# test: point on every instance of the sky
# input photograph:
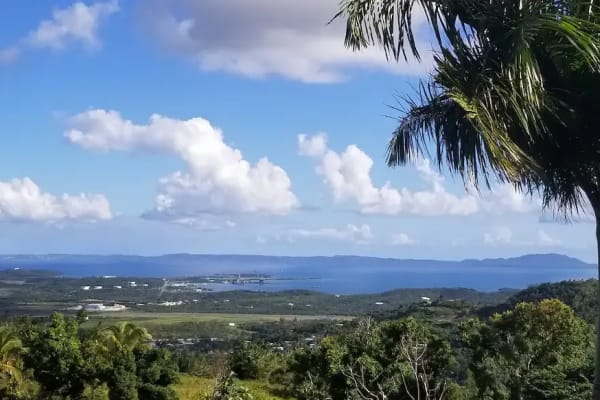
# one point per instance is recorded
(153, 127)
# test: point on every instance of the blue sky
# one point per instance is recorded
(142, 127)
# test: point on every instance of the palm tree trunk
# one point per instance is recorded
(593, 194)
(596, 390)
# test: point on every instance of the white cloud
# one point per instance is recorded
(348, 175)
(402, 239)
(545, 240)
(206, 223)
(23, 200)
(501, 235)
(351, 233)
(76, 23)
(506, 198)
(257, 38)
(218, 180)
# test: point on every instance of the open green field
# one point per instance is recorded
(194, 325)
(153, 318)
(195, 388)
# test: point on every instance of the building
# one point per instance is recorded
(99, 307)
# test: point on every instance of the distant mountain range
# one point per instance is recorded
(172, 265)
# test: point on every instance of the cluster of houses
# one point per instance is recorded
(100, 287)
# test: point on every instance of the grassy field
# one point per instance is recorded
(187, 325)
(194, 388)
(151, 318)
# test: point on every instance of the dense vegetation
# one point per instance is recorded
(534, 347)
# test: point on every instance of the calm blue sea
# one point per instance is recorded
(335, 275)
(370, 281)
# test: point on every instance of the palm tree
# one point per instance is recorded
(11, 350)
(513, 95)
(125, 335)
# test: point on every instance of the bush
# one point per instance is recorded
(148, 391)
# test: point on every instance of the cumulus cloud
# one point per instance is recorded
(23, 200)
(402, 239)
(351, 233)
(218, 180)
(501, 235)
(288, 38)
(77, 23)
(506, 198)
(348, 176)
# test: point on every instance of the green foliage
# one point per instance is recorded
(56, 358)
(114, 363)
(253, 361)
(226, 388)
(148, 391)
(96, 392)
(536, 351)
(388, 360)
(156, 367)
(244, 360)
(581, 296)
(11, 364)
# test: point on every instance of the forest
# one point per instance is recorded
(538, 344)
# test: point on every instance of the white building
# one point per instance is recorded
(93, 307)
(85, 288)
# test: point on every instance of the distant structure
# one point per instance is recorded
(98, 307)
(170, 303)
(85, 288)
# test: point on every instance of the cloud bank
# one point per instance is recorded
(78, 23)
(348, 176)
(218, 180)
(22, 200)
(286, 38)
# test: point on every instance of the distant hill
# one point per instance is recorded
(190, 264)
(580, 295)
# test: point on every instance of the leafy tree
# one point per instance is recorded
(156, 371)
(11, 365)
(244, 360)
(226, 388)
(253, 361)
(513, 94)
(394, 360)
(125, 335)
(55, 356)
(121, 376)
(536, 351)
